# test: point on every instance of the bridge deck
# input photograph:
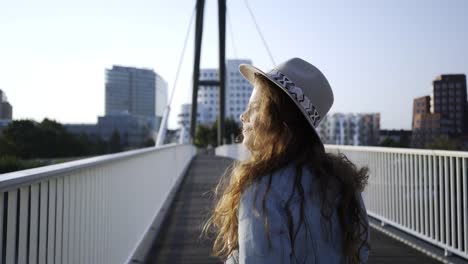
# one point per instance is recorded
(180, 242)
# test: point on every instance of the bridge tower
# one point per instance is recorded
(222, 67)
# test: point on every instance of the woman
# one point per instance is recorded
(290, 202)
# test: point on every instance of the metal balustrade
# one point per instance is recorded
(94, 210)
(421, 192)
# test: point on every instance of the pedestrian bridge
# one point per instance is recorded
(148, 206)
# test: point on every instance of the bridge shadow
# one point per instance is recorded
(179, 240)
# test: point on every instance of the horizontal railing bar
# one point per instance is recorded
(460, 154)
(26, 177)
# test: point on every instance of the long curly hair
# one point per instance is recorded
(283, 136)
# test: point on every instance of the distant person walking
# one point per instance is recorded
(290, 202)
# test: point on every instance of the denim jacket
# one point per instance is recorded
(310, 245)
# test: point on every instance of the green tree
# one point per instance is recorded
(114, 143)
(58, 142)
(24, 138)
(7, 148)
(148, 143)
(231, 131)
(388, 142)
(443, 143)
(203, 136)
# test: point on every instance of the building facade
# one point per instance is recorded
(135, 100)
(449, 97)
(6, 110)
(443, 114)
(136, 92)
(350, 129)
(238, 91)
(133, 130)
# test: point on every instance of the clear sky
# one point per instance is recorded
(377, 55)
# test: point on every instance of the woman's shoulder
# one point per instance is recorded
(280, 183)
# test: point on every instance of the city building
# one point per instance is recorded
(134, 131)
(137, 92)
(350, 129)
(135, 100)
(238, 91)
(6, 110)
(443, 114)
(449, 98)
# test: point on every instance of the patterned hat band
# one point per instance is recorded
(297, 94)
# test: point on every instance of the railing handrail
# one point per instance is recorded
(451, 153)
(94, 210)
(28, 176)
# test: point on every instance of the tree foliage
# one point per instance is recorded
(27, 139)
(208, 135)
(444, 143)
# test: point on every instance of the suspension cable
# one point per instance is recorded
(163, 125)
(260, 32)
(182, 55)
(232, 33)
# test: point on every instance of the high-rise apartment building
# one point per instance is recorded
(238, 91)
(135, 101)
(449, 99)
(136, 92)
(6, 110)
(443, 114)
(425, 125)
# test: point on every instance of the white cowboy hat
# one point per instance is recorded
(303, 83)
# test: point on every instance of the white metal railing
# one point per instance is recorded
(94, 210)
(421, 192)
(234, 151)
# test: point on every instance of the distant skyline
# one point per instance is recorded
(378, 56)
